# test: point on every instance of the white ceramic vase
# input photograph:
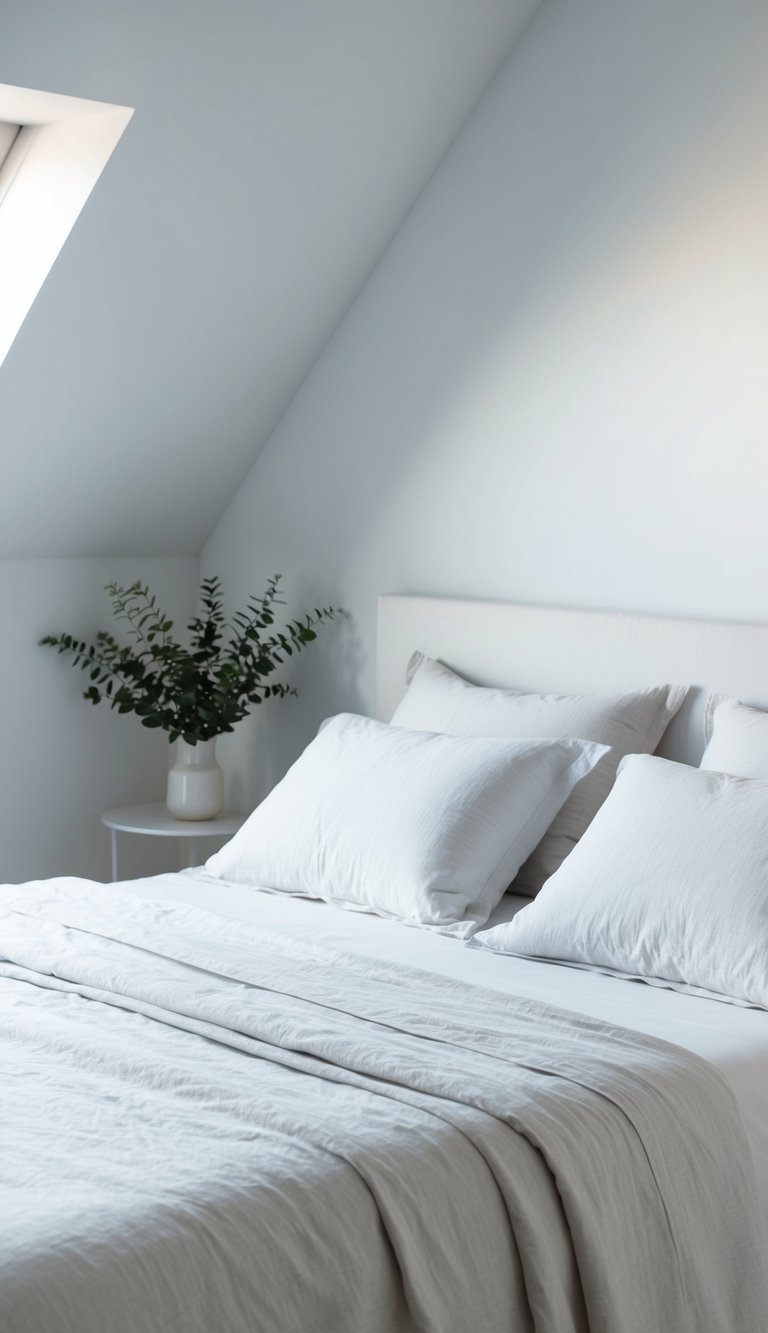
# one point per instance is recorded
(195, 782)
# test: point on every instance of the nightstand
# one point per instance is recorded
(153, 821)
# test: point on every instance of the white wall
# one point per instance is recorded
(65, 761)
(553, 387)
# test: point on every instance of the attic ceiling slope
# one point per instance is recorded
(273, 153)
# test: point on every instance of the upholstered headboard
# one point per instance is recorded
(544, 649)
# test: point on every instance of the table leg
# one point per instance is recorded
(187, 852)
(114, 856)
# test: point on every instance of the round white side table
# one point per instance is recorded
(153, 821)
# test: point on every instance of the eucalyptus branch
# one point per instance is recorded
(259, 614)
(200, 690)
(137, 605)
(85, 655)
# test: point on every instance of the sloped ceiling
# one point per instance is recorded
(276, 147)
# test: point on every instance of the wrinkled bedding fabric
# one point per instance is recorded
(210, 1127)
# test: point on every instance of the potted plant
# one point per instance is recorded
(193, 691)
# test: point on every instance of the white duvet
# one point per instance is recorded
(210, 1127)
(735, 1040)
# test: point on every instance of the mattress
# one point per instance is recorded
(733, 1039)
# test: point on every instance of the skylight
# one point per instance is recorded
(52, 151)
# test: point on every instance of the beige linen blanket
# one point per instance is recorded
(208, 1128)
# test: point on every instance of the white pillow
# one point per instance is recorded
(670, 883)
(737, 738)
(439, 700)
(408, 824)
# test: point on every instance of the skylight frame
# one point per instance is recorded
(55, 160)
(8, 135)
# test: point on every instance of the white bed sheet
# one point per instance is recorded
(733, 1039)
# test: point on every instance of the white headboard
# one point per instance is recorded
(543, 649)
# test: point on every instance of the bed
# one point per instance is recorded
(227, 1109)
